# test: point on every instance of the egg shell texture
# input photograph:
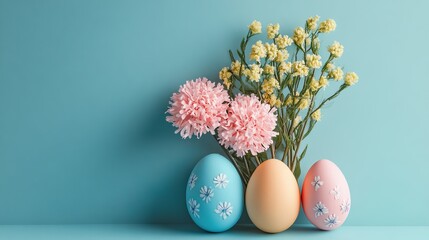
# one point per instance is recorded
(325, 195)
(214, 194)
(272, 197)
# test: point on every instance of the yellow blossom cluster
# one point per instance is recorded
(330, 66)
(269, 85)
(299, 36)
(323, 81)
(268, 69)
(285, 67)
(314, 85)
(273, 30)
(312, 22)
(287, 72)
(272, 100)
(235, 67)
(225, 76)
(328, 25)
(283, 41)
(351, 78)
(336, 49)
(313, 61)
(255, 27)
(282, 55)
(336, 74)
(271, 50)
(316, 44)
(258, 51)
(299, 69)
(253, 73)
(317, 115)
(302, 102)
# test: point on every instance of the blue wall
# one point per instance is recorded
(84, 86)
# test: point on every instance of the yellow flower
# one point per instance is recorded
(255, 27)
(282, 55)
(316, 44)
(314, 85)
(299, 36)
(272, 30)
(271, 51)
(330, 66)
(351, 78)
(272, 100)
(336, 49)
(258, 51)
(269, 85)
(312, 22)
(306, 94)
(296, 121)
(225, 76)
(285, 67)
(235, 67)
(268, 69)
(336, 74)
(253, 73)
(313, 61)
(299, 69)
(295, 98)
(317, 115)
(303, 103)
(308, 41)
(283, 41)
(289, 100)
(328, 25)
(323, 81)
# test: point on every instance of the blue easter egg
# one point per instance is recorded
(214, 194)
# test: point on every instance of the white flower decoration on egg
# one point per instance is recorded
(345, 206)
(192, 181)
(224, 209)
(206, 193)
(336, 192)
(320, 209)
(317, 183)
(331, 221)
(194, 207)
(221, 181)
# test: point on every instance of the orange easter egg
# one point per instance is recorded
(272, 197)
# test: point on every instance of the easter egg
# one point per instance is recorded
(214, 194)
(325, 195)
(272, 197)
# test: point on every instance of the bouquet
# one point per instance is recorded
(269, 99)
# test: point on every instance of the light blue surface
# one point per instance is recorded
(84, 86)
(216, 173)
(129, 232)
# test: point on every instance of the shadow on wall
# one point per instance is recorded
(168, 161)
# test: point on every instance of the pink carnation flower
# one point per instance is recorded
(198, 107)
(249, 127)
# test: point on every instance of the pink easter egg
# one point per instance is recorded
(325, 195)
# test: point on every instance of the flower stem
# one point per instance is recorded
(257, 159)
(273, 151)
(247, 165)
(233, 160)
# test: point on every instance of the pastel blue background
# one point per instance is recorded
(84, 86)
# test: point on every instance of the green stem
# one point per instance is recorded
(232, 159)
(273, 151)
(247, 165)
(257, 160)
